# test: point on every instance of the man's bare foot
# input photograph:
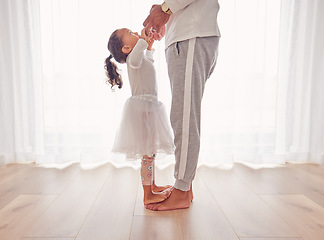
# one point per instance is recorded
(157, 189)
(150, 197)
(177, 200)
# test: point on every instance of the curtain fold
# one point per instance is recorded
(300, 109)
(263, 103)
(20, 82)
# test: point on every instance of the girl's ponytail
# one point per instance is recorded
(114, 78)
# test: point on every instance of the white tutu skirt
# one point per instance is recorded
(144, 130)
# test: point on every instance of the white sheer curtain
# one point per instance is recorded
(239, 106)
(21, 109)
(254, 108)
(300, 109)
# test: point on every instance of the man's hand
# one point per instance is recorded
(156, 19)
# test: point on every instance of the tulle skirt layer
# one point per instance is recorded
(144, 130)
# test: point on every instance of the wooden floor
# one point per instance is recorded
(238, 203)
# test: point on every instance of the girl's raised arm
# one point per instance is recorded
(136, 56)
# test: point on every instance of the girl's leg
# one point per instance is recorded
(147, 170)
(147, 181)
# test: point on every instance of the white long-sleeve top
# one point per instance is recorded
(141, 71)
(191, 18)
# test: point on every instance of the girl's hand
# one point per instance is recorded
(143, 34)
(150, 43)
(148, 38)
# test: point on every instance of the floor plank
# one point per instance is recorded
(13, 185)
(312, 168)
(303, 180)
(156, 228)
(18, 215)
(35, 180)
(66, 215)
(305, 216)
(11, 169)
(112, 214)
(295, 179)
(271, 239)
(316, 172)
(263, 181)
(304, 183)
(245, 210)
(47, 239)
(204, 219)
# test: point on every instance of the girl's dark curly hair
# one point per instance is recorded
(115, 45)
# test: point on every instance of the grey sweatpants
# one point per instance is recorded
(190, 64)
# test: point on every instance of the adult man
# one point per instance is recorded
(191, 39)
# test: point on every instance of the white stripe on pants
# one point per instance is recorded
(190, 64)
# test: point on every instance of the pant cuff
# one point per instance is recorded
(182, 185)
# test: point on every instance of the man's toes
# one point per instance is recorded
(149, 206)
(152, 208)
(155, 207)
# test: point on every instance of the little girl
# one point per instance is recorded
(145, 129)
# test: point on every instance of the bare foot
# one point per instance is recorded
(150, 197)
(157, 189)
(177, 200)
